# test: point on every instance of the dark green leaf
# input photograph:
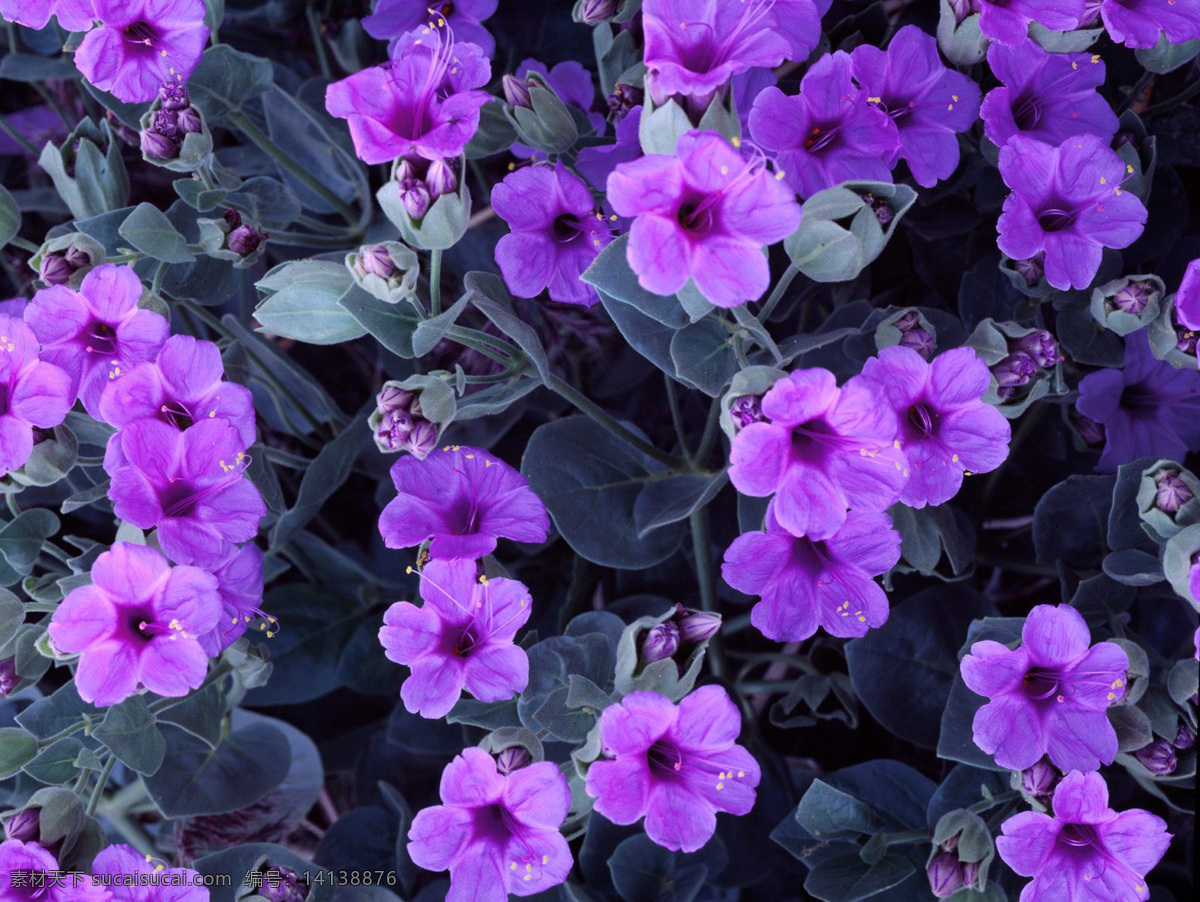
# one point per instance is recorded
(845, 877)
(149, 231)
(130, 733)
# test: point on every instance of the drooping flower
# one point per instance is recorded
(1086, 851)
(124, 866)
(945, 429)
(240, 585)
(573, 85)
(137, 624)
(1148, 409)
(140, 44)
(496, 834)
(805, 584)
(928, 102)
(597, 163)
(28, 871)
(422, 103)
(1043, 95)
(1007, 21)
(464, 499)
(462, 637)
(822, 451)
(97, 333)
(1068, 202)
(32, 393)
(394, 18)
(828, 133)
(704, 214)
(190, 485)
(677, 766)
(1187, 298)
(556, 233)
(183, 386)
(1141, 23)
(73, 15)
(1050, 695)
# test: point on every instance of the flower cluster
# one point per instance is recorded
(30, 871)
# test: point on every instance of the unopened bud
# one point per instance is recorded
(1133, 298)
(1091, 431)
(1038, 781)
(1041, 346)
(158, 146)
(945, 874)
(513, 758)
(660, 642)
(173, 96)
(404, 171)
(440, 179)
(1012, 372)
(77, 257)
(1158, 757)
(883, 212)
(970, 874)
(280, 884)
(1172, 492)
(696, 626)
(963, 8)
(623, 99)
(392, 397)
(423, 439)
(189, 121)
(920, 340)
(516, 92)
(394, 430)
(594, 12)
(1185, 737)
(166, 123)
(1033, 269)
(745, 410)
(414, 196)
(376, 261)
(25, 826)
(244, 240)
(55, 270)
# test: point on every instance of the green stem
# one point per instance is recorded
(584, 404)
(62, 734)
(276, 153)
(40, 607)
(908, 837)
(988, 804)
(10, 499)
(314, 24)
(1134, 93)
(711, 432)
(777, 294)
(101, 782)
(1171, 102)
(702, 548)
(304, 239)
(24, 244)
(156, 283)
(435, 281)
(677, 416)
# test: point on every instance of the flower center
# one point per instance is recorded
(466, 642)
(696, 217)
(176, 414)
(1078, 836)
(1041, 684)
(922, 419)
(1056, 220)
(101, 339)
(446, 9)
(1140, 398)
(665, 760)
(1027, 113)
(820, 137)
(142, 33)
(567, 228)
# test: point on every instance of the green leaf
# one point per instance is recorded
(1167, 57)
(149, 231)
(671, 500)
(643, 871)
(12, 615)
(130, 733)
(226, 79)
(302, 303)
(56, 762)
(293, 126)
(57, 712)
(17, 748)
(324, 476)
(845, 877)
(825, 811)
(492, 300)
(199, 714)
(238, 861)
(22, 538)
(387, 323)
(32, 69)
(10, 217)
(1070, 522)
(703, 356)
(611, 274)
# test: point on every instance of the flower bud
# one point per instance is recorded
(746, 410)
(1172, 492)
(414, 196)
(376, 261)
(660, 642)
(1185, 738)
(1089, 430)
(404, 170)
(516, 92)
(594, 12)
(158, 146)
(945, 874)
(696, 626)
(1041, 347)
(280, 884)
(920, 340)
(1012, 372)
(1133, 298)
(394, 429)
(25, 826)
(423, 439)
(189, 122)
(1033, 269)
(963, 8)
(77, 257)
(513, 758)
(440, 179)
(173, 96)
(392, 397)
(244, 240)
(166, 122)
(9, 678)
(970, 874)
(55, 270)
(1038, 781)
(883, 211)
(232, 217)
(1158, 757)
(623, 99)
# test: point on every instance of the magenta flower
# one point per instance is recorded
(73, 15)
(189, 485)
(136, 625)
(422, 103)
(1047, 96)
(1085, 852)
(29, 858)
(928, 103)
(556, 233)
(1141, 23)
(805, 584)
(828, 133)
(464, 499)
(822, 450)
(496, 834)
(945, 429)
(182, 387)
(573, 85)
(675, 766)
(704, 214)
(124, 866)
(1068, 202)
(32, 393)
(141, 44)
(1187, 298)
(240, 585)
(1148, 409)
(1007, 21)
(1050, 695)
(395, 18)
(462, 637)
(97, 333)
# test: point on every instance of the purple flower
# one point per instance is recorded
(945, 429)
(828, 133)
(240, 585)
(805, 584)
(1050, 695)
(141, 44)
(556, 233)
(137, 624)
(675, 766)
(1141, 23)
(462, 637)
(823, 450)
(73, 15)
(1007, 21)
(496, 834)
(394, 18)
(694, 49)
(124, 864)
(1068, 202)
(182, 387)
(97, 333)
(422, 103)
(1086, 852)
(1148, 409)
(190, 485)
(29, 858)
(32, 393)
(703, 214)
(928, 103)
(597, 163)
(1187, 299)
(1047, 96)
(573, 85)
(464, 499)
